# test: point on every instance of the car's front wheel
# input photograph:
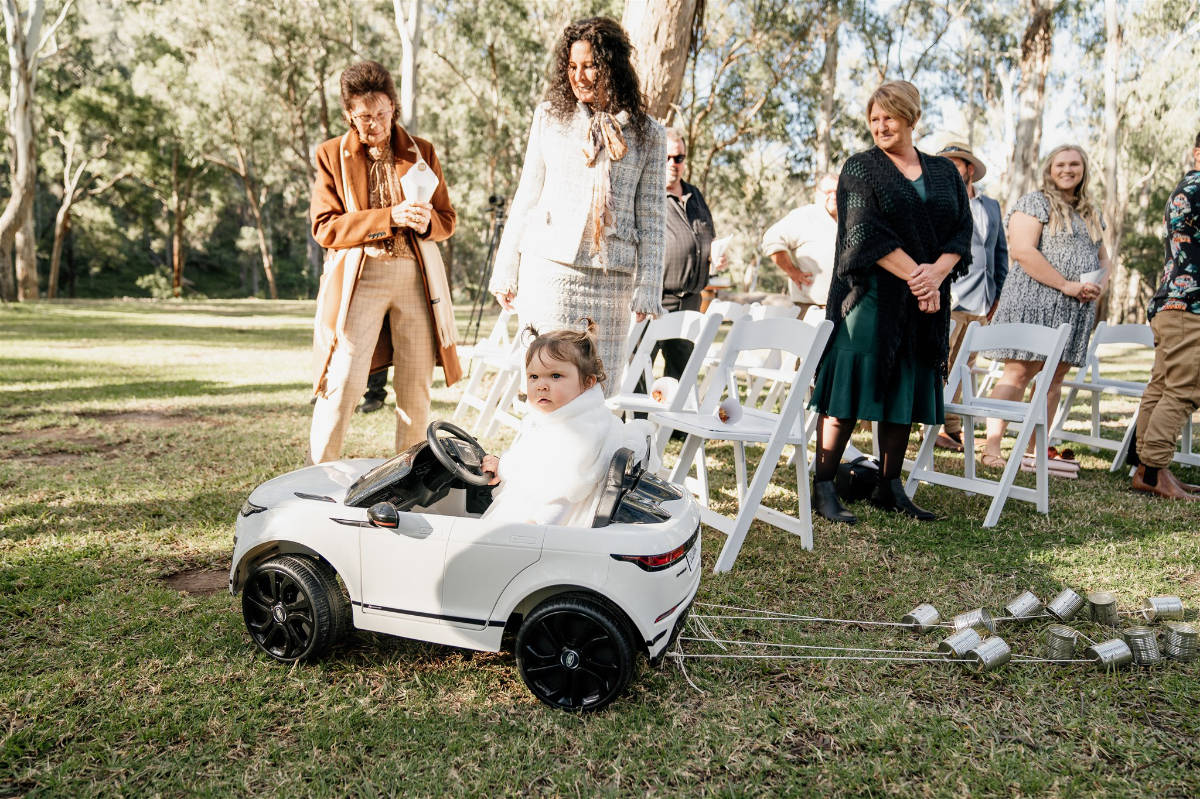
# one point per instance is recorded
(574, 654)
(294, 608)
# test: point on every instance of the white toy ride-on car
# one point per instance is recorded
(399, 547)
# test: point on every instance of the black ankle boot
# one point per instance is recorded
(889, 495)
(828, 505)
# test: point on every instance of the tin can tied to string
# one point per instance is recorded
(1024, 607)
(1179, 640)
(988, 656)
(1162, 608)
(1060, 642)
(1110, 655)
(957, 646)
(978, 618)
(1143, 643)
(1104, 608)
(922, 618)
(1064, 606)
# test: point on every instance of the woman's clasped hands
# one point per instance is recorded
(925, 284)
(412, 214)
(1084, 292)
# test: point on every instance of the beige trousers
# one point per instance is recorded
(962, 319)
(1174, 389)
(391, 287)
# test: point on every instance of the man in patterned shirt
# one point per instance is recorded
(1174, 389)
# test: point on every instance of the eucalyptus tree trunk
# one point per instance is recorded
(1036, 45)
(1122, 286)
(662, 32)
(829, 64)
(408, 25)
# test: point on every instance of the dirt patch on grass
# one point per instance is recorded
(52, 446)
(199, 581)
(141, 418)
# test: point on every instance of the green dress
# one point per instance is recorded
(845, 381)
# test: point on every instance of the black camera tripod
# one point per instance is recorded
(496, 209)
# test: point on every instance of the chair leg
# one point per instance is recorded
(1041, 468)
(750, 505)
(739, 469)
(968, 429)
(803, 495)
(1123, 450)
(924, 461)
(1010, 473)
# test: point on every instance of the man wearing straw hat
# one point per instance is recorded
(974, 296)
(1173, 393)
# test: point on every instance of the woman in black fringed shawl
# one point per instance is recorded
(904, 232)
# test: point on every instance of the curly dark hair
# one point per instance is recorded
(616, 78)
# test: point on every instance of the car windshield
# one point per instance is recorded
(381, 477)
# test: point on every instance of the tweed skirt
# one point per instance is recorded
(552, 296)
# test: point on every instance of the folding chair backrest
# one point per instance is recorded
(790, 336)
(1106, 334)
(690, 325)
(632, 336)
(762, 311)
(500, 339)
(728, 310)
(814, 315)
(1036, 339)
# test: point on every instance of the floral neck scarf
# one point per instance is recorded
(605, 144)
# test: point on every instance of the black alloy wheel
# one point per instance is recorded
(574, 654)
(294, 608)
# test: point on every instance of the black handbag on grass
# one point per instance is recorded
(857, 479)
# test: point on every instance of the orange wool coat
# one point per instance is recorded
(345, 232)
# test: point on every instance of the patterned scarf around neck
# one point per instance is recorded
(384, 186)
(605, 144)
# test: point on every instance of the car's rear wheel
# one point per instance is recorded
(293, 608)
(574, 654)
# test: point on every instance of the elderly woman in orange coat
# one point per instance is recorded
(381, 263)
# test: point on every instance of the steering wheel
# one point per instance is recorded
(458, 452)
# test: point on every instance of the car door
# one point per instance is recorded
(402, 567)
(482, 557)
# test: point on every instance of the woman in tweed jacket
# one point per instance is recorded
(585, 235)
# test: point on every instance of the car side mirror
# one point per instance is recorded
(384, 514)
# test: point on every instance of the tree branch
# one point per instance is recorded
(49, 35)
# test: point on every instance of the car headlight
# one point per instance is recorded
(249, 508)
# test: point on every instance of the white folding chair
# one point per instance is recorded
(761, 425)
(693, 326)
(1090, 378)
(496, 356)
(1031, 416)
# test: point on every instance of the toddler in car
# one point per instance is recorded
(554, 471)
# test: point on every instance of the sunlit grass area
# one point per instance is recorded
(131, 432)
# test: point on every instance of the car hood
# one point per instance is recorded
(322, 482)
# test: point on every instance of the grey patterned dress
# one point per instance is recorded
(1026, 300)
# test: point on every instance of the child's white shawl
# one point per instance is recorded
(554, 470)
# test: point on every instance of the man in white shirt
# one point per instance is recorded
(974, 296)
(802, 244)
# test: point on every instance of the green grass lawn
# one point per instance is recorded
(131, 432)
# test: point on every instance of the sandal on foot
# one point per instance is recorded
(990, 461)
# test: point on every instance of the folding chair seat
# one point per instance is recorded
(693, 326)
(759, 425)
(1031, 415)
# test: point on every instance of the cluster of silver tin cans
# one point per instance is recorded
(972, 641)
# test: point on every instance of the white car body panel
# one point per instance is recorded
(457, 579)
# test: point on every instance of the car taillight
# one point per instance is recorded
(655, 563)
